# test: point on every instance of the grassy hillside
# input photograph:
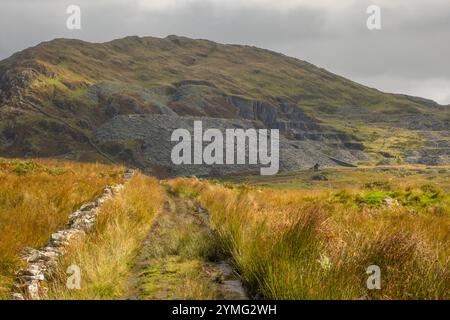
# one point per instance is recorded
(53, 96)
(241, 70)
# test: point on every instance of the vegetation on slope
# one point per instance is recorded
(36, 198)
(242, 70)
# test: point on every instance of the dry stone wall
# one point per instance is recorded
(42, 263)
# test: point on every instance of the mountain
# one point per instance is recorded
(73, 99)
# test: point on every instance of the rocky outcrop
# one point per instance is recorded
(144, 139)
(16, 77)
(41, 263)
(429, 157)
(285, 116)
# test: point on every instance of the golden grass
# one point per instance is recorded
(315, 243)
(310, 244)
(105, 255)
(36, 198)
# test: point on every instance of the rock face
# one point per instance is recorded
(304, 142)
(152, 133)
(286, 117)
(41, 263)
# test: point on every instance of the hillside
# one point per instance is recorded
(60, 98)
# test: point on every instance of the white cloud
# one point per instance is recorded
(437, 89)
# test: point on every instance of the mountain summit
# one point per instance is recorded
(112, 101)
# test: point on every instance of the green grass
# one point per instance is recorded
(374, 198)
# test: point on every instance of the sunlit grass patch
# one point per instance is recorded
(36, 198)
(318, 244)
(105, 256)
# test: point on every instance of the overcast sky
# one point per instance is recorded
(410, 54)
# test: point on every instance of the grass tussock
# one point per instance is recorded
(314, 244)
(105, 255)
(36, 198)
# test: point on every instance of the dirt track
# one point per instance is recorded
(181, 258)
